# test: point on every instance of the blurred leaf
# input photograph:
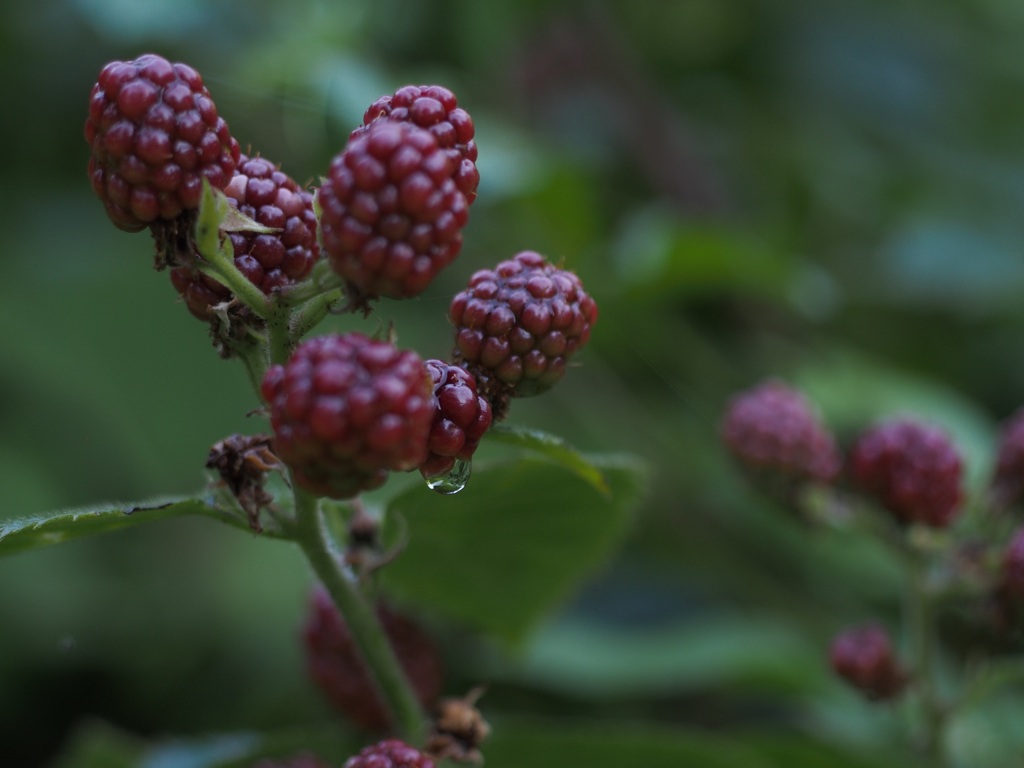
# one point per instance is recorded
(660, 254)
(708, 652)
(513, 543)
(793, 751)
(553, 447)
(540, 744)
(989, 735)
(45, 529)
(924, 264)
(99, 745)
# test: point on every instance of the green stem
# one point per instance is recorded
(312, 312)
(322, 279)
(221, 267)
(921, 634)
(280, 341)
(360, 617)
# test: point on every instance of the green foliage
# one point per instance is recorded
(515, 542)
(825, 192)
(48, 528)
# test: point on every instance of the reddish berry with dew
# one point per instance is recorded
(773, 429)
(461, 417)
(390, 753)
(392, 216)
(518, 325)
(435, 108)
(1008, 479)
(335, 666)
(912, 469)
(346, 410)
(270, 260)
(863, 656)
(155, 135)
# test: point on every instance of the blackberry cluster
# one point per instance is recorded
(346, 410)
(435, 108)
(518, 325)
(1008, 479)
(912, 469)
(390, 753)
(392, 215)
(334, 664)
(155, 135)
(864, 657)
(772, 428)
(264, 193)
(461, 417)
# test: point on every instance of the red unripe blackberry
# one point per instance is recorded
(155, 135)
(264, 193)
(346, 410)
(1008, 479)
(912, 469)
(773, 428)
(392, 216)
(518, 325)
(435, 108)
(335, 666)
(863, 656)
(461, 417)
(391, 753)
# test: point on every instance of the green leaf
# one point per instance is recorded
(553, 447)
(96, 744)
(989, 735)
(514, 543)
(540, 744)
(717, 652)
(657, 255)
(213, 207)
(555, 744)
(47, 528)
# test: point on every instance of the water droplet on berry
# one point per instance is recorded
(452, 481)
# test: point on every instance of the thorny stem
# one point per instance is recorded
(322, 279)
(311, 535)
(307, 316)
(221, 267)
(280, 341)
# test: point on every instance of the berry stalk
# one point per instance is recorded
(311, 535)
(921, 634)
(308, 315)
(217, 260)
(279, 340)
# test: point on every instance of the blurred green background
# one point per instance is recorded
(825, 190)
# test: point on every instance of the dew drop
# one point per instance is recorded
(452, 481)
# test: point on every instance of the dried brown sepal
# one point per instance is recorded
(243, 463)
(458, 730)
(174, 241)
(230, 324)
